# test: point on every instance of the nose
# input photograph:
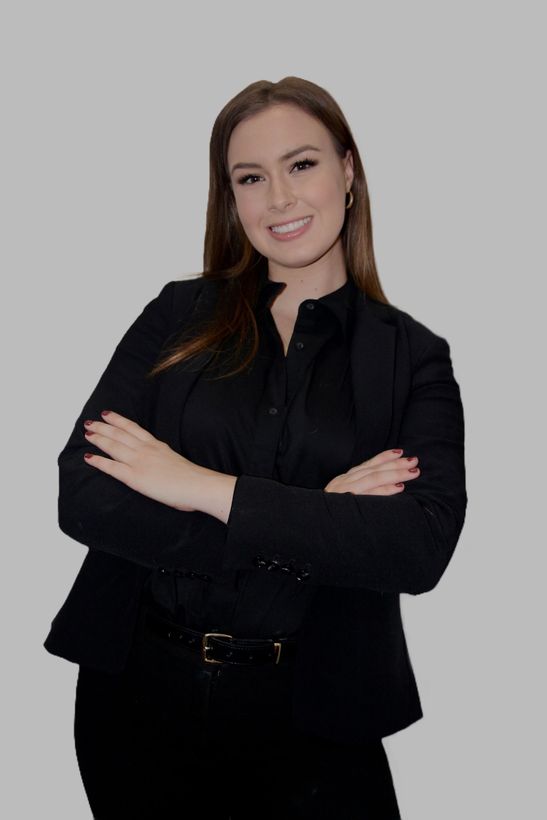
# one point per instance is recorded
(280, 195)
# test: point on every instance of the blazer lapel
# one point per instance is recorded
(372, 365)
(175, 383)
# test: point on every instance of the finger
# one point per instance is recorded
(387, 489)
(381, 458)
(115, 433)
(381, 478)
(130, 426)
(358, 489)
(370, 469)
(115, 449)
(106, 465)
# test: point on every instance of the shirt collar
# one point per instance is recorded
(339, 302)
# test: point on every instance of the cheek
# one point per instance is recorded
(248, 213)
(329, 193)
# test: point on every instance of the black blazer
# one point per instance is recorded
(353, 676)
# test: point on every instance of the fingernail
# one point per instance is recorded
(412, 469)
(396, 451)
(105, 412)
(89, 433)
(410, 458)
(88, 455)
(87, 422)
(400, 484)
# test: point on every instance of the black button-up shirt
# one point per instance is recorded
(290, 418)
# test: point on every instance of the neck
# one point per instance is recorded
(310, 282)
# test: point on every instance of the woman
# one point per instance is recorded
(273, 454)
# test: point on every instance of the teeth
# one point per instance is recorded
(292, 226)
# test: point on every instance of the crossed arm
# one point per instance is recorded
(149, 466)
(137, 498)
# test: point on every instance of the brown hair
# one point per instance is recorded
(231, 260)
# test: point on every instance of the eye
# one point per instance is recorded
(244, 180)
(307, 162)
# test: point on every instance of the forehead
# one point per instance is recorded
(273, 132)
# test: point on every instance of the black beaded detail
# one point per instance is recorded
(304, 573)
(185, 573)
(274, 563)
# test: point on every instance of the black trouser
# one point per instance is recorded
(174, 737)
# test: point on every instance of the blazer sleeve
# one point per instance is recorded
(94, 508)
(391, 544)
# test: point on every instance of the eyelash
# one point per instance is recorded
(310, 162)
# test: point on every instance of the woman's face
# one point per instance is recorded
(273, 189)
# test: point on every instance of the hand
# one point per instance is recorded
(141, 461)
(376, 476)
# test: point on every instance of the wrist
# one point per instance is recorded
(212, 492)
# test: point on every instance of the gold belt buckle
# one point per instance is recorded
(205, 647)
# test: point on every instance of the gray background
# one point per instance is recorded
(107, 112)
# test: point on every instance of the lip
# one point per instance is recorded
(294, 219)
(286, 237)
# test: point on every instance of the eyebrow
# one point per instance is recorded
(288, 155)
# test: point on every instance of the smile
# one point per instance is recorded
(290, 229)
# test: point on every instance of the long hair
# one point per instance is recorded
(231, 260)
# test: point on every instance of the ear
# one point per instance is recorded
(348, 169)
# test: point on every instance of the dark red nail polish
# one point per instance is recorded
(396, 451)
(105, 412)
(87, 422)
(88, 455)
(89, 433)
(400, 484)
(410, 458)
(412, 469)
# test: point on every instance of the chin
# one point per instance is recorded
(301, 257)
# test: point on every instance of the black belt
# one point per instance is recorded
(217, 647)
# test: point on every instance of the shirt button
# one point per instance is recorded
(299, 345)
(272, 411)
(310, 305)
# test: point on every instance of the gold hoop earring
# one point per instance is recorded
(350, 203)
